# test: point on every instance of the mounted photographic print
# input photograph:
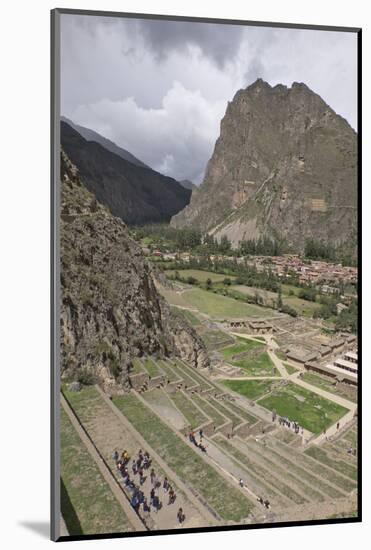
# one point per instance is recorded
(205, 251)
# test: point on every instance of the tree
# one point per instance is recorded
(208, 283)
(279, 299)
(227, 281)
(224, 245)
(308, 293)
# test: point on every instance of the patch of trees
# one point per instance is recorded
(166, 237)
(308, 293)
(263, 246)
(320, 250)
(347, 320)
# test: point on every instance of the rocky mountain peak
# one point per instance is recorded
(284, 164)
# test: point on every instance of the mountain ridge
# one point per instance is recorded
(136, 194)
(92, 135)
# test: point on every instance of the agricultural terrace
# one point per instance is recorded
(227, 501)
(250, 356)
(87, 508)
(214, 305)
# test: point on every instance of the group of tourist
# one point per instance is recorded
(286, 422)
(192, 439)
(141, 463)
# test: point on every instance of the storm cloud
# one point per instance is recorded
(159, 88)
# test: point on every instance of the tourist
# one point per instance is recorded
(172, 495)
(146, 507)
(152, 476)
(141, 476)
(241, 482)
(201, 434)
(165, 485)
(156, 482)
(338, 425)
(267, 504)
(260, 500)
(134, 467)
(180, 515)
(202, 447)
(156, 503)
(115, 456)
(152, 496)
(135, 503)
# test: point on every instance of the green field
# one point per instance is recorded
(304, 308)
(290, 369)
(221, 307)
(201, 276)
(87, 503)
(188, 315)
(242, 345)
(252, 389)
(261, 365)
(174, 298)
(213, 339)
(214, 305)
(310, 410)
(221, 495)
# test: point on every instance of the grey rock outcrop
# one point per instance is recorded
(285, 165)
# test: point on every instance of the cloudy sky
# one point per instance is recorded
(159, 89)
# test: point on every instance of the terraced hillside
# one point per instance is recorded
(206, 439)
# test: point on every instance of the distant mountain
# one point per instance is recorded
(187, 184)
(285, 165)
(136, 194)
(91, 135)
(111, 311)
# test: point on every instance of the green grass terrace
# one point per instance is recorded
(252, 389)
(214, 305)
(225, 499)
(88, 505)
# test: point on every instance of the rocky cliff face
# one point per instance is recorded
(284, 165)
(135, 194)
(111, 311)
